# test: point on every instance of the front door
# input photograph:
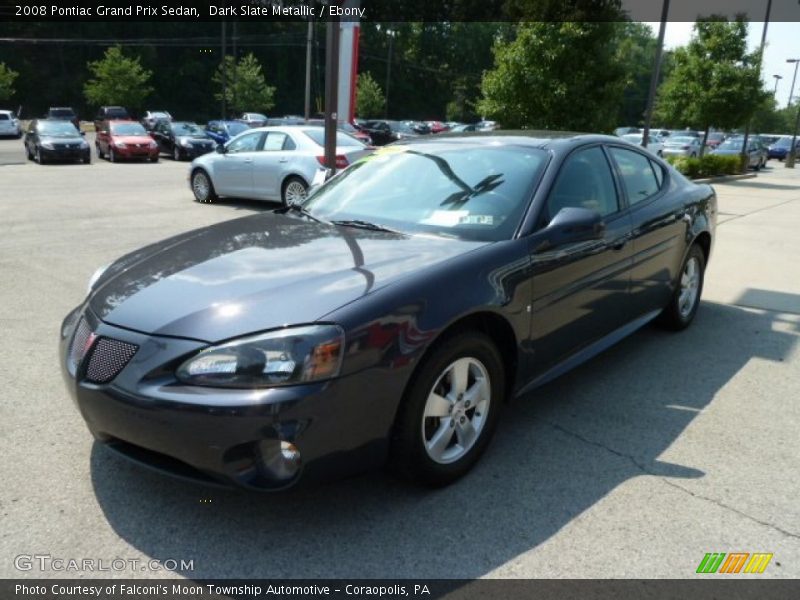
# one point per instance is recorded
(233, 174)
(580, 290)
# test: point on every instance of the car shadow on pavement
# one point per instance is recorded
(557, 453)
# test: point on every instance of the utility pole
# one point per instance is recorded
(331, 91)
(224, 74)
(760, 61)
(777, 79)
(235, 67)
(309, 47)
(651, 95)
(391, 33)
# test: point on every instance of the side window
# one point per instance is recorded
(638, 177)
(585, 181)
(275, 141)
(245, 143)
(659, 171)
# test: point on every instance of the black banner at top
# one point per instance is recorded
(392, 10)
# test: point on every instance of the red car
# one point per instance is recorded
(437, 126)
(125, 140)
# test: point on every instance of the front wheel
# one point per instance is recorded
(450, 410)
(112, 156)
(176, 153)
(685, 301)
(202, 187)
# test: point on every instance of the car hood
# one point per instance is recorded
(193, 138)
(63, 139)
(132, 139)
(257, 273)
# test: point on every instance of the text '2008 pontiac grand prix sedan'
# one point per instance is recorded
(389, 317)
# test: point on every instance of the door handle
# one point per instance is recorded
(283, 160)
(619, 244)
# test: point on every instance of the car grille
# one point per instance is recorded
(108, 359)
(107, 356)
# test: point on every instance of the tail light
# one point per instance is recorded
(341, 161)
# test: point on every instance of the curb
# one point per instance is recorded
(724, 178)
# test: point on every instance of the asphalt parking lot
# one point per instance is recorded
(664, 448)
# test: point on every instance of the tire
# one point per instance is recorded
(39, 157)
(176, 153)
(291, 190)
(112, 156)
(28, 153)
(678, 315)
(99, 152)
(451, 415)
(87, 160)
(203, 187)
(694, 155)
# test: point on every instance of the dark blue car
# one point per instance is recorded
(388, 317)
(780, 149)
(222, 131)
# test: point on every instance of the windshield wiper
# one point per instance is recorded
(365, 225)
(298, 209)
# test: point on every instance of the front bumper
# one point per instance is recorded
(140, 152)
(230, 437)
(65, 153)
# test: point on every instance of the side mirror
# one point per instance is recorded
(221, 149)
(572, 225)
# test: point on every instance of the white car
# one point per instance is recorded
(682, 145)
(151, 117)
(654, 145)
(270, 163)
(9, 124)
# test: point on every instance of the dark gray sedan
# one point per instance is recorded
(390, 317)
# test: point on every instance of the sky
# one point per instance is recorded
(783, 41)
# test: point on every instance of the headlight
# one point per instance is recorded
(120, 144)
(84, 144)
(47, 145)
(95, 276)
(284, 357)
(185, 143)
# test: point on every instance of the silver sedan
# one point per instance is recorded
(682, 146)
(269, 163)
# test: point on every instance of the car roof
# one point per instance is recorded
(547, 140)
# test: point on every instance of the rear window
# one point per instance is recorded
(62, 112)
(116, 113)
(342, 139)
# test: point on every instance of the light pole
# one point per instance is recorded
(391, 33)
(796, 62)
(777, 79)
(651, 95)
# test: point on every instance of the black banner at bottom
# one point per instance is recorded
(711, 588)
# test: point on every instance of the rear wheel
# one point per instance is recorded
(294, 191)
(202, 187)
(685, 301)
(449, 411)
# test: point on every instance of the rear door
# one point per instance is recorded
(580, 290)
(272, 164)
(233, 171)
(659, 228)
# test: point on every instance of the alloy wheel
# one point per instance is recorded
(690, 285)
(456, 410)
(201, 186)
(295, 192)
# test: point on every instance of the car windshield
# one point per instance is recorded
(62, 112)
(478, 193)
(783, 143)
(57, 128)
(235, 127)
(186, 129)
(342, 139)
(127, 129)
(255, 116)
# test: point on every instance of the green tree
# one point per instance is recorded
(715, 82)
(117, 79)
(555, 75)
(246, 88)
(7, 77)
(369, 97)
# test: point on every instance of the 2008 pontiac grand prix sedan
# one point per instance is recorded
(389, 317)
